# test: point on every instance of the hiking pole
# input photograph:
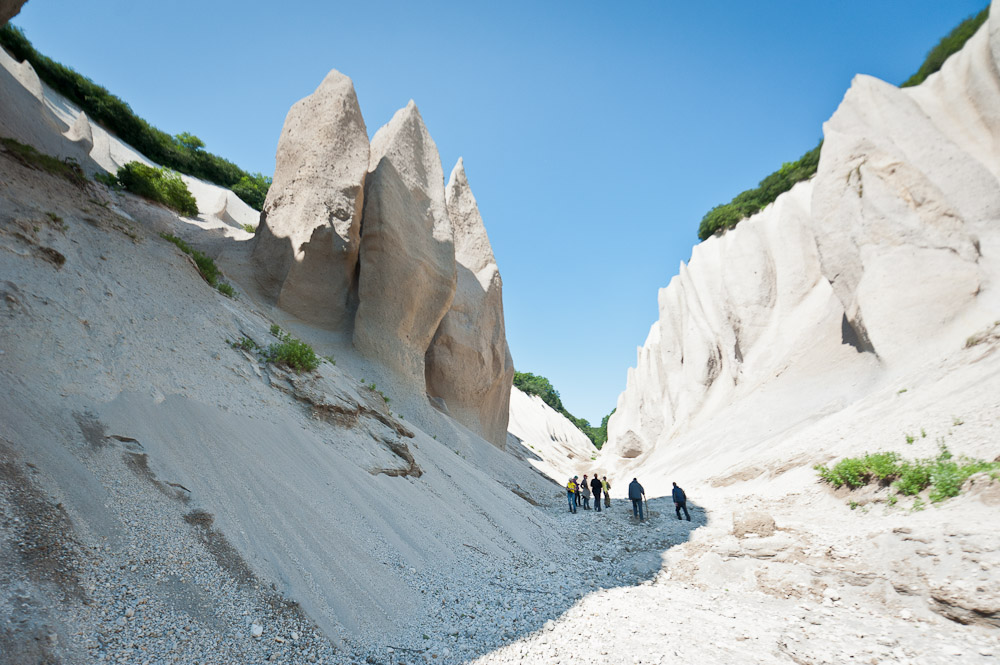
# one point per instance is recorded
(648, 514)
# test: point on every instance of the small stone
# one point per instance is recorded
(294, 635)
(129, 613)
(550, 625)
(256, 630)
(906, 614)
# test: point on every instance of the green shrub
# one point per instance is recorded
(293, 353)
(158, 184)
(226, 289)
(27, 155)
(252, 189)
(244, 344)
(249, 228)
(109, 179)
(183, 152)
(206, 266)
(943, 474)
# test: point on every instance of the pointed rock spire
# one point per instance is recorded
(306, 248)
(469, 364)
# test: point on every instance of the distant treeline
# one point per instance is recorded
(183, 152)
(726, 216)
(532, 384)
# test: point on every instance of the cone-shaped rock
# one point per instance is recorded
(305, 253)
(407, 276)
(469, 363)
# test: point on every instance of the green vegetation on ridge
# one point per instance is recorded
(727, 215)
(532, 384)
(183, 152)
(156, 184)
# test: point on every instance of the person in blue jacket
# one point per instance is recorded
(680, 502)
(636, 493)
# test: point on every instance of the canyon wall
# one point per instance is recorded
(886, 258)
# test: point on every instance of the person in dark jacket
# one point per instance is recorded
(596, 487)
(680, 502)
(636, 493)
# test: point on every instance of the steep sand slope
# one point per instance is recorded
(553, 444)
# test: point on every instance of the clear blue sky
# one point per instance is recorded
(595, 134)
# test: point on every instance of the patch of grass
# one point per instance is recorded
(250, 228)
(244, 344)
(158, 184)
(291, 352)
(923, 433)
(853, 504)
(910, 438)
(27, 155)
(109, 179)
(943, 475)
(956, 421)
(901, 391)
(206, 266)
(226, 289)
(330, 360)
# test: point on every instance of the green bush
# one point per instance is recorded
(183, 152)
(27, 155)
(293, 353)
(943, 474)
(158, 184)
(206, 266)
(226, 289)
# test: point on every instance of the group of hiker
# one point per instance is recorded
(578, 492)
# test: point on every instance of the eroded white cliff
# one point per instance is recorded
(885, 259)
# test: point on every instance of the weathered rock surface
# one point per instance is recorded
(469, 364)
(407, 265)
(81, 133)
(886, 258)
(306, 247)
(546, 438)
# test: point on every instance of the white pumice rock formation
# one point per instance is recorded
(886, 258)
(306, 246)
(469, 364)
(81, 133)
(546, 439)
(407, 271)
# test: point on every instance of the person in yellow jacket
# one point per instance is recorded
(607, 492)
(571, 493)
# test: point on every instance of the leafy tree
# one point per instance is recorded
(949, 44)
(189, 141)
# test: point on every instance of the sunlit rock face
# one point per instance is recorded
(407, 268)
(469, 364)
(305, 252)
(889, 253)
